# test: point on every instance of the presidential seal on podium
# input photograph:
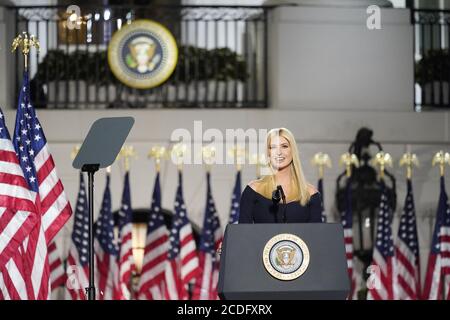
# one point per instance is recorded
(142, 54)
(286, 256)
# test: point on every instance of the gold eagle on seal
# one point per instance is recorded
(285, 256)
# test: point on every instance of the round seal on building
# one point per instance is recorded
(142, 54)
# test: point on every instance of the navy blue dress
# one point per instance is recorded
(255, 208)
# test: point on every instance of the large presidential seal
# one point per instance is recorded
(286, 256)
(142, 54)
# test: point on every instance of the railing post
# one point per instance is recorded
(8, 74)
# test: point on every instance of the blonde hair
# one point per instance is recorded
(299, 185)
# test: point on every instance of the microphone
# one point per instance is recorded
(281, 191)
(277, 196)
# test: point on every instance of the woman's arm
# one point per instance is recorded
(246, 206)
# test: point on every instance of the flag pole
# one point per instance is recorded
(409, 160)
(178, 152)
(158, 153)
(208, 155)
(441, 159)
(381, 160)
(127, 152)
(26, 42)
(321, 160)
(349, 160)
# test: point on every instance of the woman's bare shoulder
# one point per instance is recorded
(312, 189)
(255, 185)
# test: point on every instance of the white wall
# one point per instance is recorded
(329, 59)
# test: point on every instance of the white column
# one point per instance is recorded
(7, 73)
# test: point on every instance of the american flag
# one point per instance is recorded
(126, 262)
(439, 258)
(383, 253)
(235, 198)
(347, 223)
(40, 173)
(18, 217)
(320, 189)
(445, 252)
(407, 252)
(57, 272)
(78, 260)
(183, 264)
(106, 250)
(151, 283)
(206, 283)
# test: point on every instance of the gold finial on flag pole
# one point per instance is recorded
(208, 155)
(409, 160)
(441, 158)
(26, 41)
(348, 160)
(239, 155)
(382, 160)
(158, 152)
(178, 152)
(321, 160)
(261, 161)
(127, 152)
(75, 151)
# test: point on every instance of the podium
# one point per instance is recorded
(255, 256)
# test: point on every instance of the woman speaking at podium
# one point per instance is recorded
(283, 196)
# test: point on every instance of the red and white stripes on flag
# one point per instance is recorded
(151, 282)
(106, 250)
(107, 275)
(381, 282)
(77, 277)
(55, 206)
(439, 258)
(17, 210)
(57, 273)
(18, 217)
(206, 283)
(14, 279)
(407, 252)
(77, 268)
(40, 174)
(183, 265)
(347, 223)
(445, 253)
(126, 259)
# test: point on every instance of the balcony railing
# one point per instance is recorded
(222, 57)
(432, 58)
